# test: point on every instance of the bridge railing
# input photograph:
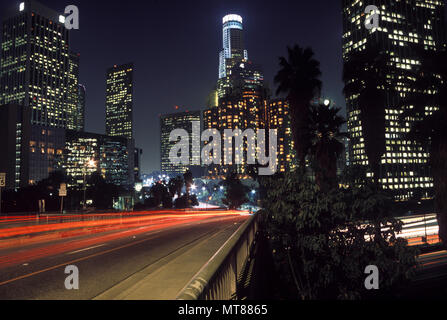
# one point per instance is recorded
(218, 278)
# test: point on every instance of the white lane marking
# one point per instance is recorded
(90, 248)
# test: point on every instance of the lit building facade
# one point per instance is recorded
(240, 99)
(112, 158)
(34, 151)
(35, 64)
(278, 117)
(119, 101)
(169, 123)
(404, 28)
(77, 121)
(15, 131)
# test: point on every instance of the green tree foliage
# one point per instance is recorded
(187, 176)
(326, 145)
(159, 193)
(236, 192)
(323, 241)
(175, 186)
(185, 202)
(101, 192)
(299, 79)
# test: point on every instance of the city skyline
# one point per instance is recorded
(259, 151)
(281, 24)
(165, 69)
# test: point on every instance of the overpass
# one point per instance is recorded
(156, 255)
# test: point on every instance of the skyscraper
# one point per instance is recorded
(75, 122)
(405, 28)
(278, 117)
(35, 64)
(241, 95)
(169, 123)
(119, 101)
(233, 42)
(81, 106)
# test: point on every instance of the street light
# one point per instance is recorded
(91, 163)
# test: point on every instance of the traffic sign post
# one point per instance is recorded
(62, 194)
(2, 185)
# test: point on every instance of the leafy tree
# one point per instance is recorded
(159, 192)
(187, 176)
(236, 192)
(323, 241)
(175, 186)
(326, 145)
(186, 202)
(299, 79)
(102, 192)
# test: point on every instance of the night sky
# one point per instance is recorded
(175, 46)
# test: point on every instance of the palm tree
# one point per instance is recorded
(299, 79)
(326, 144)
(431, 131)
(366, 85)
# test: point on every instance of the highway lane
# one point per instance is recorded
(106, 259)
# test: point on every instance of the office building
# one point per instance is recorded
(34, 151)
(86, 153)
(81, 106)
(119, 101)
(169, 123)
(73, 103)
(405, 28)
(278, 117)
(36, 70)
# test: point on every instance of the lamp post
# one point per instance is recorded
(90, 163)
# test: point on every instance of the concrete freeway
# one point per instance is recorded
(145, 256)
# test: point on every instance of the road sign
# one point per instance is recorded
(63, 190)
(2, 179)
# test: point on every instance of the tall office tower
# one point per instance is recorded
(74, 122)
(405, 28)
(169, 123)
(278, 117)
(35, 63)
(81, 107)
(241, 95)
(233, 42)
(119, 101)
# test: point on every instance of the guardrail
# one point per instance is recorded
(219, 277)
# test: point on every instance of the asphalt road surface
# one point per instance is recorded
(114, 259)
